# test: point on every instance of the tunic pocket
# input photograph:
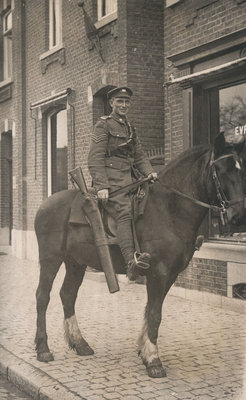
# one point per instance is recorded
(118, 171)
(115, 163)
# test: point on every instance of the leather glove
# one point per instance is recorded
(153, 177)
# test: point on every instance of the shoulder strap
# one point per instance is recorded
(105, 117)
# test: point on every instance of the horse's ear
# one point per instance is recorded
(219, 145)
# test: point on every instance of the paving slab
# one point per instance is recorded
(202, 347)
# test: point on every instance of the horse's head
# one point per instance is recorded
(227, 171)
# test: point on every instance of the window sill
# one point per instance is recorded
(170, 3)
(6, 90)
(51, 51)
(57, 54)
(106, 20)
(6, 82)
(222, 252)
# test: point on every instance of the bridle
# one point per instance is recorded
(224, 203)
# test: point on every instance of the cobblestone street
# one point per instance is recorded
(201, 347)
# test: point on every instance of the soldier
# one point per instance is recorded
(114, 153)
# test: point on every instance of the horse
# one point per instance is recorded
(200, 178)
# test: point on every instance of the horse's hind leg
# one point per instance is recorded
(48, 271)
(73, 279)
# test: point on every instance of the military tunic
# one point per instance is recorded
(114, 152)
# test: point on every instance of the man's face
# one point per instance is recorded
(120, 105)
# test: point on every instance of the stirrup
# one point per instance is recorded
(138, 266)
(142, 260)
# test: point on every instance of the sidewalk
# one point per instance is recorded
(201, 347)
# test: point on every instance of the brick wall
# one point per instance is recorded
(205, 275)
(83, 71)
(86, 74)
(189, 24)
(145, 68)
(132, 48)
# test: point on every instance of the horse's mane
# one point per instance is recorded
(189, 156)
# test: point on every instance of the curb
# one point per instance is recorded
(31, 380)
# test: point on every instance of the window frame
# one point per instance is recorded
(7, 47)
(55, 33)
(109, 9)
(50, 149)
(202, 101)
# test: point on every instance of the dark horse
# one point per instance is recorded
(168, 231)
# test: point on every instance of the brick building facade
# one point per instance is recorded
(204, 69)
(176, 55)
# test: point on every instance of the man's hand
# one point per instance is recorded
(103, 195)
(152, 177)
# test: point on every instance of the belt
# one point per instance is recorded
(116, 153)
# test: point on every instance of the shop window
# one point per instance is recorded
(57, 148)
(55, 23)
(6, 61)
(106, 7)
(228, 115)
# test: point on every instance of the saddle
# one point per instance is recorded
(138, 198)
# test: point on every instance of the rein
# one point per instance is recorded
(186, 196)
(224, 202)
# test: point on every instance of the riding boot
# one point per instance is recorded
(137, 263)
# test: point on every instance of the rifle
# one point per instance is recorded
(90, 206)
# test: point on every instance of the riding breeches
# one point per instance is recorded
(121, 209)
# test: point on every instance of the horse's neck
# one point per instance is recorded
(189, 174)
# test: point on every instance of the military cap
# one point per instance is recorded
(120, 92)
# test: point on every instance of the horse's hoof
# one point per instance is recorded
(45, 356)
(156, 371)
(84, 350)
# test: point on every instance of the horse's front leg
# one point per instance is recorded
(157, 288)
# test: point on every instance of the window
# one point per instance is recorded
(228, 115)
(106, 7)
(55, 23)
(6, 43)
(57, 145)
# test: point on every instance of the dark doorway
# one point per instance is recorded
(6, 186)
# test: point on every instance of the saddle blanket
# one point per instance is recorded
(78, 216)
